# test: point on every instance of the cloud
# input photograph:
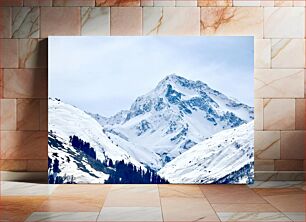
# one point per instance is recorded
(105, 74)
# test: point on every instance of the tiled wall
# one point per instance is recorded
(278, 27)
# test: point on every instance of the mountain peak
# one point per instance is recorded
(173, 78)
(176, 84)
(173, 117)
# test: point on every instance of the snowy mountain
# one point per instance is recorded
(225, 157)
(116, 119)
(66, 121)
(172, 118)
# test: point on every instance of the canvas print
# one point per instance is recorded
(151, 110)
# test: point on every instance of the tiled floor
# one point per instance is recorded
(263, 201)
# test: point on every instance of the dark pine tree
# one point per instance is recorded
(110, 163)
(51, 179)
(56, 166)
(49, 162)
(124, 173)
(127, 173)
(59, 180)
(81, 145)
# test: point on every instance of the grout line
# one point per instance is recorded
(263, 119)
(267, 202)
(39, 22)
(161, 208)
(209, 201)
(278, 210)
(109, 190)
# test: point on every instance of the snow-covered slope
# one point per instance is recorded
(65, 121)
(225, 153)
(73, 165)
(172, 118)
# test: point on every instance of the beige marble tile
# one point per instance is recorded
(10, 188)
(8, 114)
(146, 2)
(279, 114)
(285, 199)
(28, 114)
(267, 145)
(95, 21)
(278, 191)
(278, 22)
(230, 194)
(25, 83)
(232, 21)
(130, 214)
(279, 176)
(171, 21)
(299, 3)
(267, 3)
(73, 2)
(246, 3)
(25, 22)
(8, 53)
(1, 83)
(305, 83)
(51, 17)
(126, 21)
(258, 112)
(24, 145)
(283, 3)
(163, 3)
(277, 184)
(263, 165)
(37, 165)
(18, 208)
(32, 53)
(123, 3)
(292, 145)
(187, 209)
(5, 3)
(262, 53)
(5, 22)
(133, 196)
(71, 204)
(284, 50)
(173, 190)
(295, 216)
(253, 216)
(289, 165)
(186, 3)
(300, 114)
(279, 83)
(91, 191)
(206, 3)
(13, 165)
(43, 114)
(263, 207)
(63, 216)
(37, 2)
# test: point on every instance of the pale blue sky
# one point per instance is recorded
(106, 74)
